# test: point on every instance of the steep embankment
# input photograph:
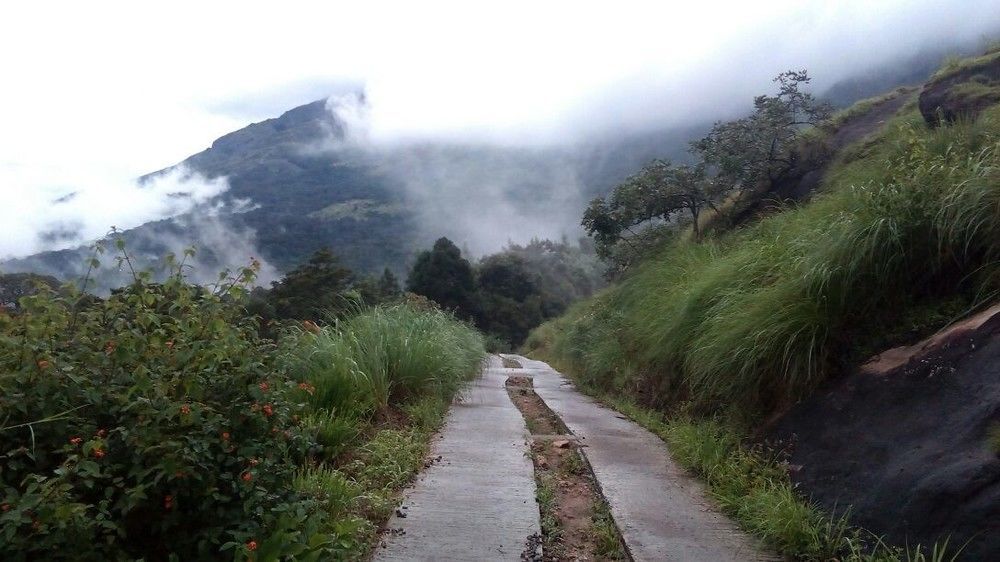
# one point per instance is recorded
(901, 237)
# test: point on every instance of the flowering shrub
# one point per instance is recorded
(152, 424)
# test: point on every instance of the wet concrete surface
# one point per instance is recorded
(662, 511)
(478, 501)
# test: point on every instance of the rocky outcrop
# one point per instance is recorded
(905, 444)
(963, 92)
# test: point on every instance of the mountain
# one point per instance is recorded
(296, 184)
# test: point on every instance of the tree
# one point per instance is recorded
(313, 289)
(388, 285)
(510, 301)
(655, 196)
(760, 147)
(444, 276)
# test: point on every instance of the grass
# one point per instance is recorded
(609, 542)
(380, 383)
(385, 356)
(956, 64)
(757, 318)
(993, 438)
(545, 495)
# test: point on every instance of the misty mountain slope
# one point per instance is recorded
(295, 186)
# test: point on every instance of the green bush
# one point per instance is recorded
(152, 424)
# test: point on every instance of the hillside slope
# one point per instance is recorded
(900, 238)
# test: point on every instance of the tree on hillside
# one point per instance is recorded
(444, 276)
(760, 147)
(388, 285)
(313, 289)
(658, 195)
(510, 301)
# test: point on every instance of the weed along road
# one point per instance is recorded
(477, 499)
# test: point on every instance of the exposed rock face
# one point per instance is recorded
(964, 92)
(908, 449)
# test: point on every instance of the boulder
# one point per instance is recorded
(964, 91)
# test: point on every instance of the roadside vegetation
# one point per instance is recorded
(902, 237)
(508, 293)
(707, 334)
(158, 424)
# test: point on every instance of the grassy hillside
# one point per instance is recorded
(902, 238)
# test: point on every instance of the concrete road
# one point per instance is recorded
(478, 501)
(663, 513)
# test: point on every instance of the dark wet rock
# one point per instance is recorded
(532, 548)
(965, 92)
(907, 450)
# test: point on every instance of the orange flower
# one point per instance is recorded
(185, 409)
(76, 440)
(307, 387)
(263, 386)
(99, 453)
(43, 364)
(247, 477)
(268, 410)
(252, 545)
(225, 436)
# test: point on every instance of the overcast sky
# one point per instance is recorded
(97, 93)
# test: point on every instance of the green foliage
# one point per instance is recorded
(151, 422)
(760, 148)
(312, 290)
(609, 542)
(383, 357)
(741, 155)
(444, 276)
(657, 195)
(759, 317)
(388, 286)
(513, 290)
(993, 438)
(156, 424)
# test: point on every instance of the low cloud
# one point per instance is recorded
(71, 212)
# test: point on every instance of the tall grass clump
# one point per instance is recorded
(385, 357)
(377, 385)
(758, 317)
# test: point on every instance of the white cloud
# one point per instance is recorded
(96, 93)
(67, 215)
